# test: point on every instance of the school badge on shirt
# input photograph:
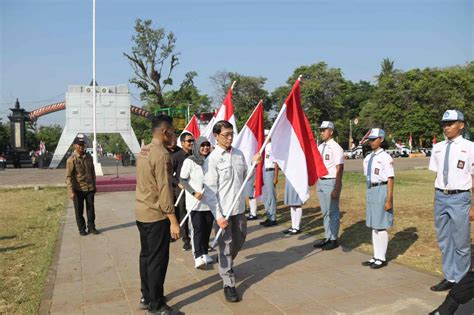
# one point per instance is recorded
(326, 156)
(376, 171)
(461, 164)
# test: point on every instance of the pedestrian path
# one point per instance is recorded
(98, 274)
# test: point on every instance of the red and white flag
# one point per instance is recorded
(225, 112)
(410, 141)
(250, 140)
(434, 139)
(294, 147)
(192, 128)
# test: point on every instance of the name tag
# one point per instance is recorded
(461, 164)
(327, 157)
(376, 171)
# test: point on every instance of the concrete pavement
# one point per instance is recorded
(98, 274)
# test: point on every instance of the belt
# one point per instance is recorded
(378, 184)
(269, 169)
(451, 192)
(323, 178)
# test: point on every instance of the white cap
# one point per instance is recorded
(327, 124)
(376, 133)
(453, 115)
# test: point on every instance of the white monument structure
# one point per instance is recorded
(112, 116)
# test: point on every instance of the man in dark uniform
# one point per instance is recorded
(80, 180)
(178, 158)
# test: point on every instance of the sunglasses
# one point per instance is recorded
(189, 141)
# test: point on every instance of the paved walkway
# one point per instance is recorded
(98, 274)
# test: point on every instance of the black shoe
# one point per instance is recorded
(332, 244)
(288, 231)
(270, 223)
(83, 233)
(93, 231)
(320, 243)
(252, 217)
(294, 232)
(444, 285)
(230, 294)
(264, 222)
(164, 310)
(369, 262)
(379, 265)
(187, 247)
(143, 305)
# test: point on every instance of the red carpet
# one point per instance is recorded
(112, 183)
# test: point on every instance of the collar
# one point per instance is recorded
(329, 141)
(156, 141)
(380, 150)
(455, 140)
(80, 156)
(221, 150)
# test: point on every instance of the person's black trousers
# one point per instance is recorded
(79, 198)
(202, 226)
(154, 258)
(180, 212)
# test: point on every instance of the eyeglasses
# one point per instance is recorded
(228, 135)
(189, 141)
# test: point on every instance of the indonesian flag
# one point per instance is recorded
(225, 112)
(410, 141)
(250, 140)
(365, 137)
(434, 139)
(294, 147)
(192, 128)
(42, 148)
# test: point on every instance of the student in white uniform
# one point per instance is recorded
(329, 186)
(378, 169)
(270, 180)
(453, 162)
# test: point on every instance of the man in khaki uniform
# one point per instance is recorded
(155, 217)
(80, 180)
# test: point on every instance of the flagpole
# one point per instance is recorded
(250, 171)
(192, 208)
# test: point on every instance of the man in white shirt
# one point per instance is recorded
(453, 162)
(329, 186)
(225, 172)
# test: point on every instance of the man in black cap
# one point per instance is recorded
(80, 180)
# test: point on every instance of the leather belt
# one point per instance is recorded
(323, 178)
(451, 192)
(269, 169)
(378, 184)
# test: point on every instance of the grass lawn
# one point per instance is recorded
(413, 237)
(28, 230)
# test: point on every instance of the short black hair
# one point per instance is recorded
(385, 145)
(160, 120)
(184, 135)
(222, 124)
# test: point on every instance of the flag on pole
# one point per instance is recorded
(410, 141)
(250, 140)
(434, 139)
(192, 128)
(225, 112)
(42, 148)
(365, 137)
(294, 147)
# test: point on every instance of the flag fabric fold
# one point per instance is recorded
(250, 140)
(225, 112)
(294, 147)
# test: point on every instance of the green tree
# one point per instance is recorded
(248, 91)
(153, 59)
(4, 137)
(50, 136)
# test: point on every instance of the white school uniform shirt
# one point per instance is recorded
(382, 166)
(333, 155)
(461, 164)
(269, 159)
(194, 174)
(224, 174)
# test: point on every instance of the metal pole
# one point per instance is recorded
(94, 126)
(350, 134)
(192, 208)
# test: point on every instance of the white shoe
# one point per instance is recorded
(199, 263)
(208, 259)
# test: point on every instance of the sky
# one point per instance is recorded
(46, 45)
